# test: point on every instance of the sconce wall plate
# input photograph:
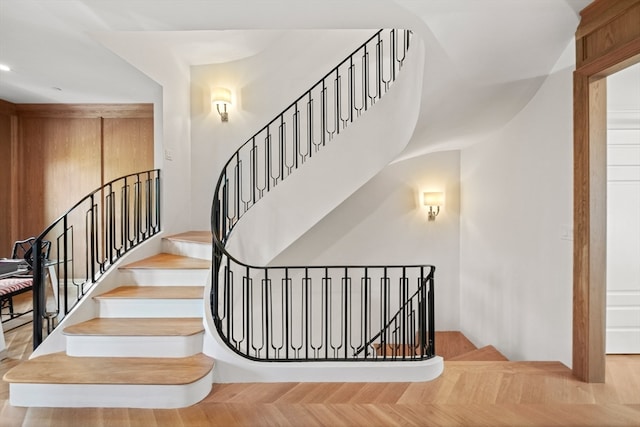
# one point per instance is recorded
(221, 97)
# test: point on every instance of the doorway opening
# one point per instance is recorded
(623, 212)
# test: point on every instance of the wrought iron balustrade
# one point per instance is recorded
(336, 313)
(87, 240)
(308, 124)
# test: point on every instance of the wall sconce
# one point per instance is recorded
(221, 97)
(433, 200)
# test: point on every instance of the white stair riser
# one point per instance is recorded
(139, 308)
(134, 346)
(164, 277)
(188, 249)
(110, 396)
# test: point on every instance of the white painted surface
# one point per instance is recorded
(126, 395)
(189, 249)
(233, 368)
(109, 396)
(88, 309)
(328, 178)
(515, 262)
(134, 346)
(246, 371)
(623, 212)
(385, 223)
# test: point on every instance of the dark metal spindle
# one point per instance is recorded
(318, 320)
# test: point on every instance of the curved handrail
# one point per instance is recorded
(88, 239)
(314, 329)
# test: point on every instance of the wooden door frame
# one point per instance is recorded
(607, 40)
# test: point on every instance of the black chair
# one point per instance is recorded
(23, 249)
(22, 281)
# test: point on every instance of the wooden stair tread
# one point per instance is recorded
(168, 262)
(450, 344)
(486, 353)
(154, 292)
(204, 237)
(58, 368)
(183, 326)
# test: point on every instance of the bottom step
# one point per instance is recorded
(58, 380)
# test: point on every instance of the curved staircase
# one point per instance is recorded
(142, 350)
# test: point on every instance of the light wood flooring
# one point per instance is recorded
(468, 393)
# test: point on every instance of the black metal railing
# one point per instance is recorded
(332, 313)
(308, 124)
(345, 313)
(87, 240)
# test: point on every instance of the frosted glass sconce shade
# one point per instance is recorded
(433, 200)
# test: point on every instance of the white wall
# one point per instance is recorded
(516, 216)
(384, 223)
(262, 85)
(171, 122)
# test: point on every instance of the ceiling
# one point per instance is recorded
(485, 58)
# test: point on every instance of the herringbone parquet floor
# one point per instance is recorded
(468, 393)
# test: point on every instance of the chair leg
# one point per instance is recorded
(6, 303)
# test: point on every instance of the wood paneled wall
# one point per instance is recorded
(63, 152)
(7, 148)
(607, 40)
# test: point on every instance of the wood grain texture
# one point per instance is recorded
(59, 164)
(7, 108)
(486, 353)
(450, 344)
(607, 39)
(83, 111)
(58, 368)
(467, 394)
(169, 261)
(6, 213)
(57, 158)
(621, 29)
(599, 13)
(128, 146)
(124, 327)
(154, 292)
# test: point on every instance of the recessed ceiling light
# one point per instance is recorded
(4, 67)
